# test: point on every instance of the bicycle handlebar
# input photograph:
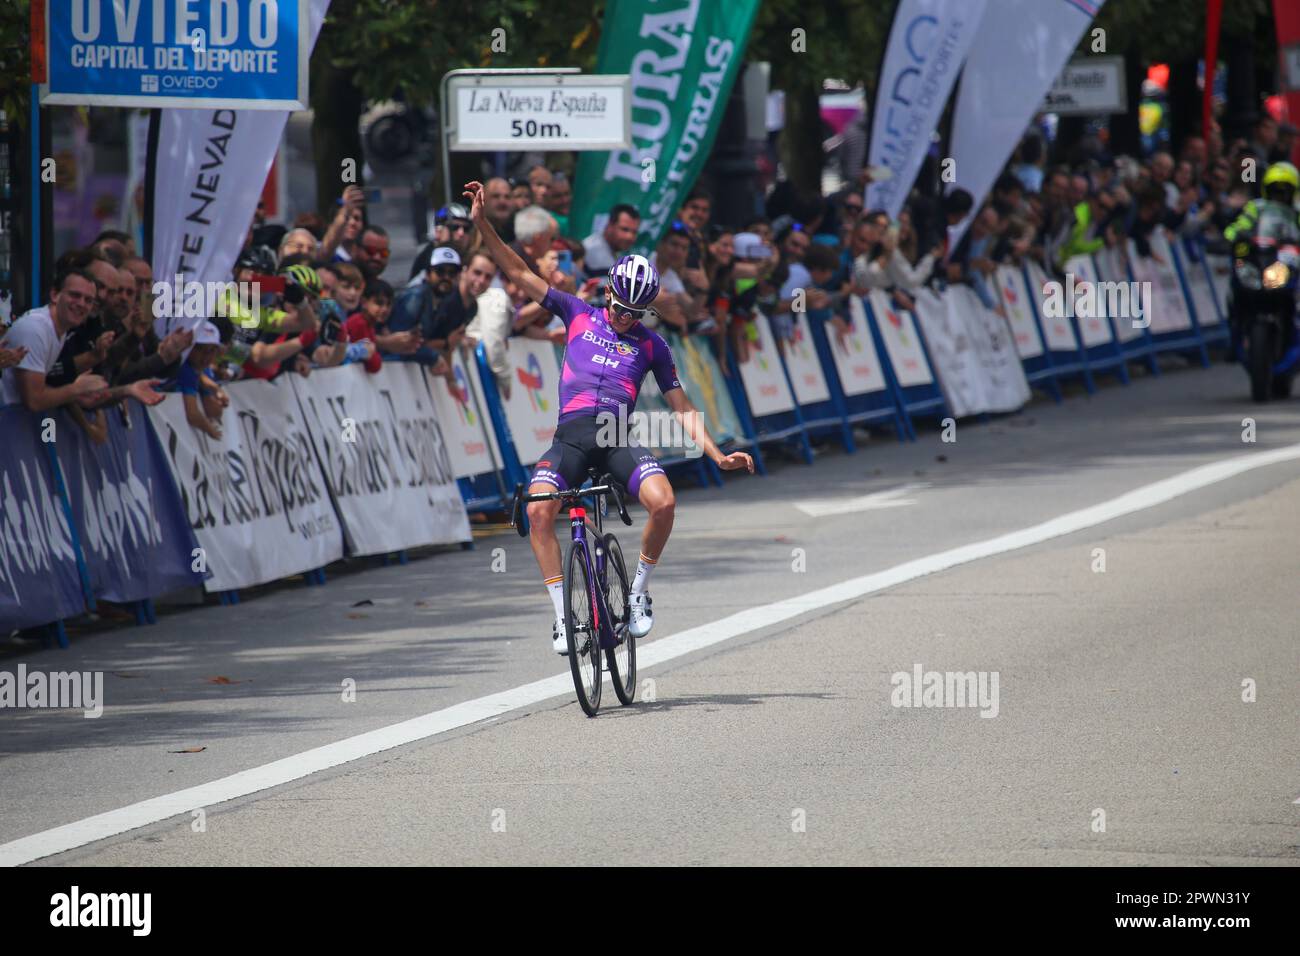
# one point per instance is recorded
(608, 487)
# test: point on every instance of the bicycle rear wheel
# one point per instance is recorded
(622, 657)
(584, 636)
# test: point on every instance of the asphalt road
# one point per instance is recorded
(771, 728)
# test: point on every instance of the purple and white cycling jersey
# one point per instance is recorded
(603, 370)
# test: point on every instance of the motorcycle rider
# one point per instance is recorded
(1281, 182)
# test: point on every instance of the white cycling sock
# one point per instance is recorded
(642, 580)
(555, 588)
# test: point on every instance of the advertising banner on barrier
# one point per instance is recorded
(534, 404)
(1005, 386)
(1220, 272)
(902, 341)
(39, 582)
(134, 534)
(927, 45)
(805, 368)
(1058, 330)
(856, 360)
(1020, 315)
(952, 351)
(384, 457)
(256, 499)
(1198, 285)
(1094, 327)
(702, 380)
(1112, 267)
(765, 384)
(1168, 307)
(461, 411)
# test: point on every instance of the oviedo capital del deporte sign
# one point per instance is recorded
(232, 54)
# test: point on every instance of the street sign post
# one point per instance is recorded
(525, 110)
(219, 54)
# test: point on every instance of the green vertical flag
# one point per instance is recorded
(683, 56)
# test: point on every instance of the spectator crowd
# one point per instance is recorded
(324, 302)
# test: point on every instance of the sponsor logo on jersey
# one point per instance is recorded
(609, 345)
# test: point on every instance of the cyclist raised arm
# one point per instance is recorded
(507, 259)
(608, 353)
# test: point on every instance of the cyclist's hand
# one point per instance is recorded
(734, 461)
(474, 193)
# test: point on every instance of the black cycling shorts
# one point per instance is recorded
(575, 449)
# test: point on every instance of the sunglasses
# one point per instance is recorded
(446, 272)
(379, 253)
(458, 227)
(636, 315)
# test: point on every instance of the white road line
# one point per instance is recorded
(893, 498)
(113, 822)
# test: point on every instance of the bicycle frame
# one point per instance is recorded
(578, 522)
(595, 574)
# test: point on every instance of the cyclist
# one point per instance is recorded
(607, 355)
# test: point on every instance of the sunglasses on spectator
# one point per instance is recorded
(458, 227)
(381, 253)
(446, 272)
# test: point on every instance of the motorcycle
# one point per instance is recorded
(1266, 275)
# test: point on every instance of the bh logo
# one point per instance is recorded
(531, 379)
(460, 392)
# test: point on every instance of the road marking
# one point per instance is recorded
(821, 507)
(69, 836)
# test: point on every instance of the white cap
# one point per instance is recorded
(444, 256)
(205, 333)
(750, 245)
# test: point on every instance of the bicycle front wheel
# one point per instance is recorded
(621, 657)
(583, 633)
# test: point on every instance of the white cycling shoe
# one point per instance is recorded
(642, 616)
(560, 638)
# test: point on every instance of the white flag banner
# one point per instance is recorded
(256, 498)
(209, 170)
(927, 45)
(1018, 52)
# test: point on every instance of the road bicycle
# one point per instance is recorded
(596, 607)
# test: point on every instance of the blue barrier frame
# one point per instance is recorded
(1182, 264)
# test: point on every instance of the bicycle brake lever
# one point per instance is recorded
(618, 500)
(517, 512)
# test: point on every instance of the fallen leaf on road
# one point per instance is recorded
(189, 750)
(357, 617)
(366, 603)
(421, 603)
(224, 680)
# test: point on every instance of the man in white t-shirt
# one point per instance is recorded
(606, 247)
(40, 334)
